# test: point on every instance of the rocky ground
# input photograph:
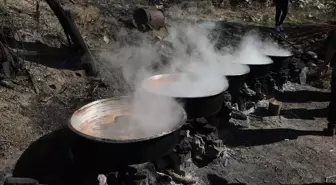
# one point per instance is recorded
(287, 149)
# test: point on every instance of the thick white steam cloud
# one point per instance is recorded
(267, 46)
(194, 54)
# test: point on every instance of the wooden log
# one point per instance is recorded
(73, 34)
(274, 107)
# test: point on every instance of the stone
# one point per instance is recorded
(184, 147)
(209, 139)
(185, 157)
(183, 133)
(197, 158)
(212, 152)
(106, 39)
(238, 115)
(207, 129)
(311, 64)
(235, 106)
(227, 97)
(102, 179)
(312, 54)
(186, 164)
(250, 105)
(248, 92)
(198, 146)
(303, 75)
(201, 121)
(218, 143)
(163, 178)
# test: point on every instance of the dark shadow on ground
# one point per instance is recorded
(306, 114)
(318, 184)
(48, 159)
(216, 180)
(234, 137)
(57, 159)
(302, 96)
(36, 52)
(51, 160)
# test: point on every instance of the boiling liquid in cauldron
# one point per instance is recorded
(272, 51)
(123, 127)
(186, 85)
(221, 67)
(128, 119)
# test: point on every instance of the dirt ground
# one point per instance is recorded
(288, 149)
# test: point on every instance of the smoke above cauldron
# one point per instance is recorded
(191, 45)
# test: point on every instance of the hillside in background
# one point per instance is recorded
(99, 18)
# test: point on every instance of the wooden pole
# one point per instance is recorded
(274, 107)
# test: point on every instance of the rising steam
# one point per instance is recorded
(191, 46)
